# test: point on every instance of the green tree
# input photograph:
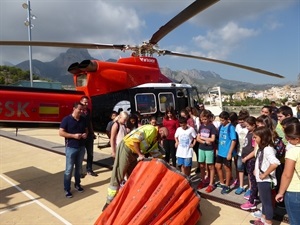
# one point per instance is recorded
(2, 80)
(10, 75)
(266, 101)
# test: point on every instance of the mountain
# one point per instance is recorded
(5, 63)
(204, 80)
(56, 70)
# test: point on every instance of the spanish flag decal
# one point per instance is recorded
(49, 110)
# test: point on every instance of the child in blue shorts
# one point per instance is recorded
(184, 142)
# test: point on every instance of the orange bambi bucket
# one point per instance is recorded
(156, 194)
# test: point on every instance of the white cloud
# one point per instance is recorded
(221, 42)
(70, 21)
(218, 31)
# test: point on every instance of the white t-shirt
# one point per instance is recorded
(268, 159)
(217, 124)
(185, 138)
(197, 123)
(241, 132)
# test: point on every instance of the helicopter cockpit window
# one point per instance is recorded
(194, 97)
(182, 99)
(81, 80)
(181, 93)
(145, 103)
(166, 99)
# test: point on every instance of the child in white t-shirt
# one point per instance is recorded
(185, 139)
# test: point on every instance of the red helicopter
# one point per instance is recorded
(134, 84)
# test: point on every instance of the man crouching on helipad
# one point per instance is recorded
(131, 150)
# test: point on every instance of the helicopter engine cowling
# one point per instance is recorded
(88, 66)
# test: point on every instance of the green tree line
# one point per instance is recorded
(248, 101)
(10, 75)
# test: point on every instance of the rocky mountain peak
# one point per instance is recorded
(64, 60)
(56, 70)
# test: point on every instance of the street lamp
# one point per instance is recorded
(29, 25)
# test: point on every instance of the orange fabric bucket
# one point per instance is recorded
(156, 194)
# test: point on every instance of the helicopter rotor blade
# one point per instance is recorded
(63, 44)
(167, 52)
(190, 11)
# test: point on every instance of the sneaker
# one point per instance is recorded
(239, 191)
(247, 194)
(209, 188)
(235, 183)
(256, 200)
(92, 173)
(219, 185)
(200, 186)
(248, 205)
(257, 222)
(79, 188)
(257, 214)
(69, 194)
(206, 180)
(225, 190)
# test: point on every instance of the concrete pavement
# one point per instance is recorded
(31, 184)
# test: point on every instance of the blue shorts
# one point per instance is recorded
(240, 165)
(184, 161)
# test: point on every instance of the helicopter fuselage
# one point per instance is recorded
(132, 84)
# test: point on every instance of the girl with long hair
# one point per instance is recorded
(265, 166)
(170, 121)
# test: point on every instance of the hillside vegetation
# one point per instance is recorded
(10, 75)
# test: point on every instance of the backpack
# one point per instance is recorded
(279, 146)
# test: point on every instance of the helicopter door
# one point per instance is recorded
(182, 99)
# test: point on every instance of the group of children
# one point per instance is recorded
(254, 145)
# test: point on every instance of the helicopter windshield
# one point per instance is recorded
(195, 96)
(81, 80)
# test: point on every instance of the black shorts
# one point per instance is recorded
(223, 160)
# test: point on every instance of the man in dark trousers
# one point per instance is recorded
(75, 131)
(89, 144)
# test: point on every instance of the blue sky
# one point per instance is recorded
(263, 34)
